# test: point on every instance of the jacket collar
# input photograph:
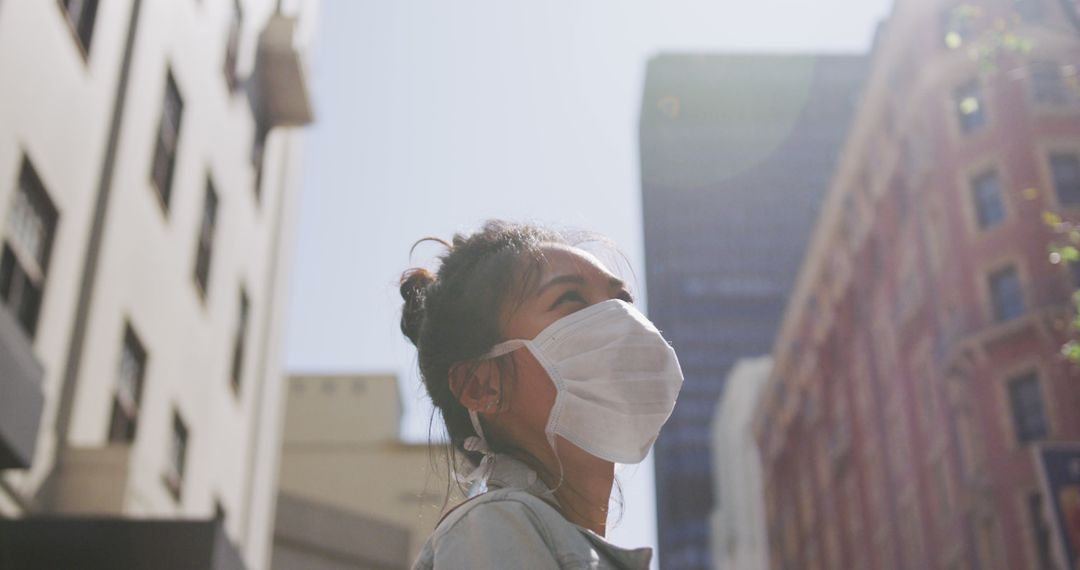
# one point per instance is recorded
(508, 472)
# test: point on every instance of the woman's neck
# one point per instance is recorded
(585, 489)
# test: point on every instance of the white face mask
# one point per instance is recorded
(615, 376)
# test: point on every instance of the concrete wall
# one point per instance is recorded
(56, 107)
(341, 448)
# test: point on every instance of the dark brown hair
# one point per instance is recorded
(453, 316)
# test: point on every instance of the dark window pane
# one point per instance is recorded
(1066, 172)
(1047, 83)
(82, 14)
(258, 151)
(205, 245)
(122, 426)
(1028, 408)
(130, 374)
(970, 107)
(1030, 10)
(167, 140)
(31, 225)
(240, 341)
(179, 446)
(956, 26)
(7, 274)
(232, 46)
(1006, 294)
(988, 205)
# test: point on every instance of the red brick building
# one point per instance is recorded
(919, 357)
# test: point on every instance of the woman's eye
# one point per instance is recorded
(568, 297)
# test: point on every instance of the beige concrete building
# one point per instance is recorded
(148, 153)
(342, 448)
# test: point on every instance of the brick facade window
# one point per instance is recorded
(989, 208)
(1006, 294)
(1030, 10)
(28, 239)
(970, 107)
(1048, 83)
(1065, 169)
(1028, 408)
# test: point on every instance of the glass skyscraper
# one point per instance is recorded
(736, 154)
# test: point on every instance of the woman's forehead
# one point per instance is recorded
(560, 258)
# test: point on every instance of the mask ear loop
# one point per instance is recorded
(478, 443)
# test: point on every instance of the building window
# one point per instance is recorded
(129, 387)
(240, 341)
(31, 226)
(81, 15)
(957, 26)
(1074, 273)
(1065, 169)
(1040, 533)
(220, 513)
(174, 471)
(205, 247)
(1006, 294)
(970, 108)
(232, 46)
(989, 207)
(167, 141)
(1028, 408)
(1029, 10)
(1047, 83)
(258, 153)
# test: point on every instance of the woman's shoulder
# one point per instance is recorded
(500, 507)
(498, 526)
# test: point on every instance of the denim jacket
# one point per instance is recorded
(513, 526)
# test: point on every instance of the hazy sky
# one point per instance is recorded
(433, 116)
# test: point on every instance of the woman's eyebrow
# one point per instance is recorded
(565, 278)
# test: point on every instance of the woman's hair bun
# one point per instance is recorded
(414, 286)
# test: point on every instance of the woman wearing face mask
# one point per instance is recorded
(546, 376)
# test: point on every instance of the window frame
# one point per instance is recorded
(31, 267)
(1075, 156)
(131, 409)
(81, 26)
(240, 340)
(233, 39)
(177, 453)
(1020, 427)
(205, 239)
(996, 316)
(977, 198)
(167, 146)
(956, 101)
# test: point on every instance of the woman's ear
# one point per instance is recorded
(476, 385)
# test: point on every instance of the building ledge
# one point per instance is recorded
(280, 95)
(90, 480)
(21, 398)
